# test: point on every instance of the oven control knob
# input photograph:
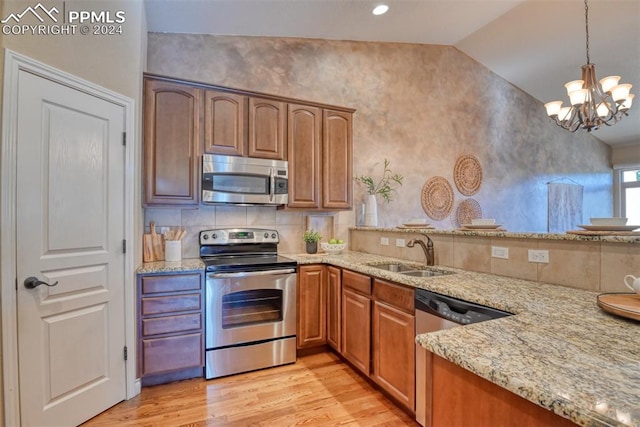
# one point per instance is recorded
(273, 235)
(205, 236)
(214, 236)
(266, 235)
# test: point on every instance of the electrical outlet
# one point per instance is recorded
(384, 241)
(539, 256)
(400, 243)
(499, 252)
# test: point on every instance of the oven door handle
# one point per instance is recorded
(254, 273)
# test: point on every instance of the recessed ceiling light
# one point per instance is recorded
(380, 9)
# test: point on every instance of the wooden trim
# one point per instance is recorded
(247, 92)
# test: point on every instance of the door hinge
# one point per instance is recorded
(124, 246)
(124, 138)
(126, 355)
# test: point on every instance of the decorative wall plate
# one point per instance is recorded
(467, 174)
(466, 210)
(437, 198)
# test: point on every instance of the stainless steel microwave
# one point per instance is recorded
(244, 180)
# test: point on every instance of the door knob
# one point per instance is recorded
(33, 282)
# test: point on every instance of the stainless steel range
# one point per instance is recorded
(250, 312)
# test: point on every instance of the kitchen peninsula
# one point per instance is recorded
(558, 350)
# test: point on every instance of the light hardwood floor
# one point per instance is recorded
(318, 390)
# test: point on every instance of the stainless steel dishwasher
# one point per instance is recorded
(435, 312)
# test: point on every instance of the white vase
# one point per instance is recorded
(371, 211)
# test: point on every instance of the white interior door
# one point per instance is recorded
(69, 231)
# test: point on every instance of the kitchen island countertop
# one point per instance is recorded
(559, 350)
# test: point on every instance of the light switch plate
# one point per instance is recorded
(499, 252)
(400, 243)
(384, 241)
(539, 256)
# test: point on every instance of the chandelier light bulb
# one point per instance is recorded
(574, 86)
(620, 92)
(608, 82)
(627, 103)
(578, 97)
(564, 113)
(603, 110)
(553, 108)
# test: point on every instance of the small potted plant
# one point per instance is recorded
(311, 239)
(385, 186)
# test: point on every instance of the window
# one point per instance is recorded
(630, 194)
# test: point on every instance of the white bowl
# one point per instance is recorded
(608, 221)
(333, 248)
(483, 221)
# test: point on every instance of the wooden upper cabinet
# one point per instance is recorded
(337, 182)
(303, 142)
(172, 141)
(267, 126)
(224, 123)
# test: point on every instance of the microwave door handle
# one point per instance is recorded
(272, 185)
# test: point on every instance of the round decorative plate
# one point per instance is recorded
(466, 210)
(467, 174)
(437, 198)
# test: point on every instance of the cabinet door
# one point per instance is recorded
(356, 329)
(224, 123)
(166, 354)
(267, 123)
(172, 140)
(303, 146)
(337, 178)
(394, 352)
(334, 308)
(312, 309)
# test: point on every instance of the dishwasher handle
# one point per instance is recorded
(455, 310)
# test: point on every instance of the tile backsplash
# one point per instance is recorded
(290, 224)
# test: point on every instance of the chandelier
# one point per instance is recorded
(592, 104)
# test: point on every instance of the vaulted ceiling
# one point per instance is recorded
(537, 45)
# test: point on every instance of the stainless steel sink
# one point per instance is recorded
(395, 267)
(410, 270)
(425, 273)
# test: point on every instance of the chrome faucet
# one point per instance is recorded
(427, 249)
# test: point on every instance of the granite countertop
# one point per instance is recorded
(621, 238)
(559, 350)
(185, 265)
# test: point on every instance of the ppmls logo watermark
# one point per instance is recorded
(40, 20)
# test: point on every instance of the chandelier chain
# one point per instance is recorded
(586, 24)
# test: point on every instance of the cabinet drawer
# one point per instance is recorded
(171, 353)
(170, 283)
(169, 324)
(356, 281)
(396, 295)
(170, 304)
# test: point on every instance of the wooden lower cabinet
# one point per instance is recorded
(312, 306)
(461, 398)
(356, 329)
(394, 352)
(170, 327)
(334, 308)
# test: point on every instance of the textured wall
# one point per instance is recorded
(421, 106)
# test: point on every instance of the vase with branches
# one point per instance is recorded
(385, 186)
